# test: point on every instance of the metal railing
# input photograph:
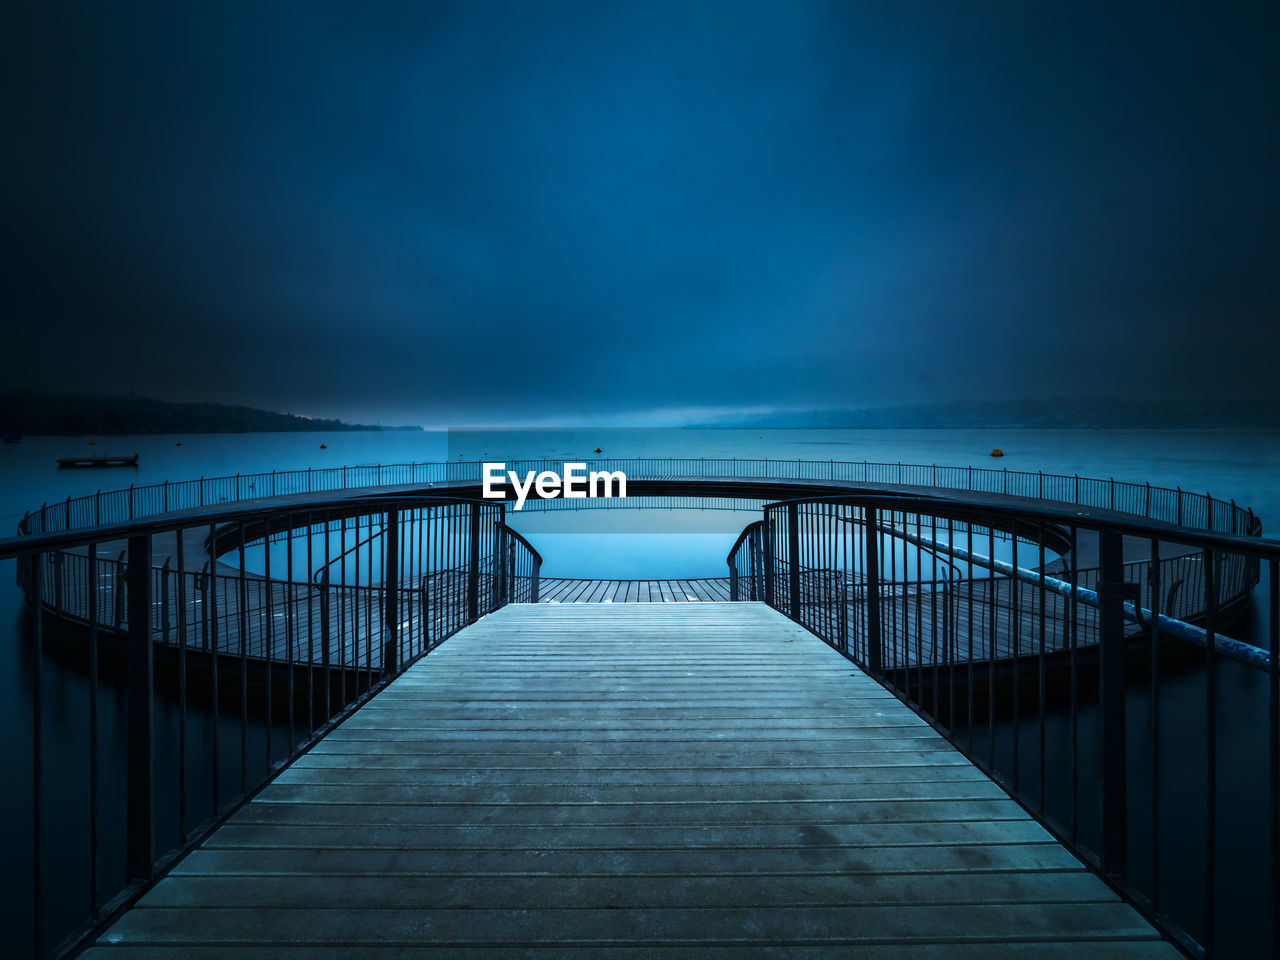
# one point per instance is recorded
(1157, 760)
(218, 667)
(1172, 505)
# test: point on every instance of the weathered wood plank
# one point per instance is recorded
(851, 924)
(393, 892)
(756, 950)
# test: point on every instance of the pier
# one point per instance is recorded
(891, 728)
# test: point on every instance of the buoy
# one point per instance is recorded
(597, 449)
(178, 443)
(324, 446)
(91, 442)
(997, 452)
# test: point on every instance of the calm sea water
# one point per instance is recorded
(1239, 465)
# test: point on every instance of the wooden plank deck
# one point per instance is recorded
(644, 780)
(574, 590)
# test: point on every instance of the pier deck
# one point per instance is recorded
(587, 780)
(573, 590)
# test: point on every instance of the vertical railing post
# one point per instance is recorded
(533, 581)
(1209, 881)
(793, 560)
(122, 573)
(473, 568)
(34, 564)
(733, 580)
(498, 588)
(140, 788)
(59, 559)
(326, 632)
(391, 594)
(1111, 591)
(164, 601)
(766, 537)
(204, 583)
(842, 597)
(511, 582)
(871, 556)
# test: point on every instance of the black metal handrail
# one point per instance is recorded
(1174, 505)
(1002, 662)
(208, 636)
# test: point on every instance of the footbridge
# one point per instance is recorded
(925, 711)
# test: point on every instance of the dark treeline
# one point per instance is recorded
(32, 415)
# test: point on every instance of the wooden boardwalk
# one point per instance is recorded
(642, 780)
(561, 590)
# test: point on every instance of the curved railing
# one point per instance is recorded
(1177, 506)
(1070, 687)
(228, 658)
(514, 570)
(1172, 505)
(753, 571)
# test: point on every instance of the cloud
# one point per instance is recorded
(514, 211)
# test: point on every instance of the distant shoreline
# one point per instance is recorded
(179, 432)
(1083, 413)
(29, 415)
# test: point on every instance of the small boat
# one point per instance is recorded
(12, 437)
(66, 462)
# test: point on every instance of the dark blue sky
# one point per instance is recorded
(449, 213)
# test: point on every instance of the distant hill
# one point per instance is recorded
(1052, 413)
(34, 415)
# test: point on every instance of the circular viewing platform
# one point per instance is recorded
(213, 542)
